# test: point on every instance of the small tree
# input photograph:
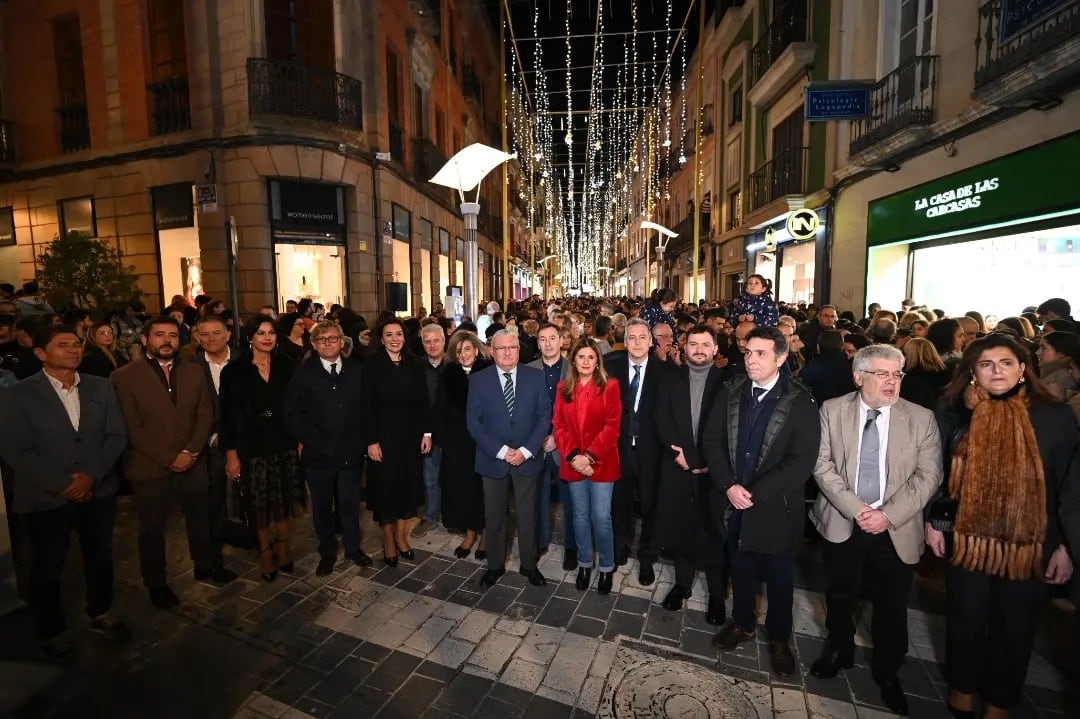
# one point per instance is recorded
(83, 271)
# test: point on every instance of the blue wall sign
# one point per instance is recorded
(1019, 15)
(837, 100)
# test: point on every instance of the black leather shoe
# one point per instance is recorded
(959, 713)
(163, 598)
(481, 555)
(622, 560)
(569, 560)
(731, 635)
(326, 566)
(829, 664)
(491, 576)
(893, 695)
(674, 599)
(584, 574)
(216, 575)
(462, 552)
(406, 553)
(717, 614)
(390, 561)
(645, 575)
(603, 584)
(781, 658)
(534, 576)
(359, 558)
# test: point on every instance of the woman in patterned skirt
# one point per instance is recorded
(259, 450)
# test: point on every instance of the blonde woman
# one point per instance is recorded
(98, 356)
(926, 376)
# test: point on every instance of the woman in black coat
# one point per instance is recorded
(258, 449)
(399, 418)
(98, 358)
(1006, 517)
(462, 488)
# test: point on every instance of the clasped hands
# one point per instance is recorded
(582, 464)
(80, 489)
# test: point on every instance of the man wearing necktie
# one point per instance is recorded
(878, 466)
(760, 443)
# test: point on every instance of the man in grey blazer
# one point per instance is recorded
(878, 466)
(63, 434)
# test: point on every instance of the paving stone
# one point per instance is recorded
(388, 576)
(632, 605)
(294, 684)
(568, 590)
(544, 708)
(557, 612)
(540, 644)
(494, 651)
(625, 624)
(664, 624)
(414, 696)
(372, 652)
(589, 699)
(449, 610)
(586, 626)
(451, 652)
(416, 612)
(363, 702)
(475, 626)
(523, 675)
(442, 588)
(392, 672)
(330, 653)
(597, 606)
(428, 636)
(431, 570)
(463, 694)
(695, 642)
(538, 596)
(827, 708)
(498, 599)
(463, 568)
(510, 695)
(308, 708)
(568, 669)
(492, 708)
(465, 598)
(519, 611)
(412, 585)
(336, 686)
(390, 635)
(436, 671)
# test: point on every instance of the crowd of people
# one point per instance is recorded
(717, 424)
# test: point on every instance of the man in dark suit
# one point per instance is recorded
(63, 434)
(761, 443)
(642, 381)
(169, 414)
(508, 415)
(213, 336)
(324, 411)
(828, 375)
(686, 530)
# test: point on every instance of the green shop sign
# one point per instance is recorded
(1032, 182)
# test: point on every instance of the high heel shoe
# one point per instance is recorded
(462, 552)
(390, 561)
(288, 567)
(583, 576)
(271, 575)
(405, 553)
(604, 583)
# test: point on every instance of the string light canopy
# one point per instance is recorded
(592, 117)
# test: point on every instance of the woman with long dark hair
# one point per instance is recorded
(399, 432)
(947, 336)
(1054, 351)
(588, 412)
(1010, 452)
(259, 451)
(292, 337)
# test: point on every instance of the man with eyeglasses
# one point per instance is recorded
(324, 411)
(508, 416)
(878, 466)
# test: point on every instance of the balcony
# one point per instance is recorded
(429, 13)
(783, 52)
(427, 159)
(74, 127)
(170, 107)
(286, 88)
(1026, 58)
(685, 229)
(901, 112)
(780, 177)
(7, 142)
(473, 89)
(397, 143)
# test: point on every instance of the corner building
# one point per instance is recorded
(150, 124)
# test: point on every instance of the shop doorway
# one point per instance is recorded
(315, 272)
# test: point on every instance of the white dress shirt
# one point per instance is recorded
(326, 365)
(216, 367)
(69, 398)
(641, 378)
(882, 424)
(502, 383)
(767, 386)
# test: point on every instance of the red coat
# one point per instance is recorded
(589, 424)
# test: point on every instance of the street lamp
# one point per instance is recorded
(464, 172)
(665, 237)
(547, 272)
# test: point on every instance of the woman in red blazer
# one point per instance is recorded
(588, 409)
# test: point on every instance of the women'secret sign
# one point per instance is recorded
(962, 198)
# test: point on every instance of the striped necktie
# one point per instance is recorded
(508, 393)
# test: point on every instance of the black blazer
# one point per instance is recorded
(327, 417)
(252, 419)
(44, 450)
(200, 360)
(656, 384)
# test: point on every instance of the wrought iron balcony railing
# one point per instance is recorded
(170, 106)
(784, 174)
(791, 23)
(903, 98)
(284, 87)
(1005, 42)
(427, 159)
(7, 142)
(74, 127)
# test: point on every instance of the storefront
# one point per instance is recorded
(787, 252)
(177, 229)
(307, 227)
(995, 238)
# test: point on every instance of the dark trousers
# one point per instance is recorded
(868, 561)
(989, 633)
(622, 512)
(216, 501)
(325, 486)
(713, 558)
(153, 498)
(748, 569)
(496, 513)
(50, 535)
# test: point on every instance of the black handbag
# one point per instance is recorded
(240, 525)
(942, 514)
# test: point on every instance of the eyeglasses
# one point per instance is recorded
(327, 340)
(504, 349)
(884, 374)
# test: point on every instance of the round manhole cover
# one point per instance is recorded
(678, 690)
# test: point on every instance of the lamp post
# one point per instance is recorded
(464, 172)
(547, 273)
(665, 236)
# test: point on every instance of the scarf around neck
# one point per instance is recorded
(997, 476)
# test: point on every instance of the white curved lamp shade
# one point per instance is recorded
(468, 167)
(647, 225)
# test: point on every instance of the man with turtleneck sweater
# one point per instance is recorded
(683, 524)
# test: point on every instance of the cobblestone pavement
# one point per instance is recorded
(425, 640)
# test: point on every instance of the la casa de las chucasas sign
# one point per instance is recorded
(959, 199)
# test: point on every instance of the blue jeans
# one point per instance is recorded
(592, 520)
(432, 461)
(549, 475)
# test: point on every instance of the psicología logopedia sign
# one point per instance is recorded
(959, 199)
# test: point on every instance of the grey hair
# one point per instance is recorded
(637, 322)
(432, 329)
(861, 363)
(505, 333)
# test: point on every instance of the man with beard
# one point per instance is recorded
(169, 414)
(684, 472)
